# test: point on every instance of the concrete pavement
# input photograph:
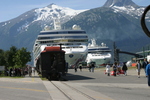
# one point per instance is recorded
(55, 94)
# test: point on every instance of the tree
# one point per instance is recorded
(22, 57)
(9, 55)
(2, 59)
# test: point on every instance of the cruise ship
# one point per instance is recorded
(100, 54)
(74, 42)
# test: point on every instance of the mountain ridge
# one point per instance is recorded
(118, 23)
(111, 3)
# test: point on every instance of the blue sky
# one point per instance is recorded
(12, 8)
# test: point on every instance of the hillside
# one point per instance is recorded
(116, 21)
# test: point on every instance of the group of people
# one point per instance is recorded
(146, 66)
(116, 69)
(19, 71)
(80, 67)
(91, 67)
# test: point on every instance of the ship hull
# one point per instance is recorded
(100, 61)
(74, 59)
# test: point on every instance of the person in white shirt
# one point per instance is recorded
(108, 69)
(138, 68)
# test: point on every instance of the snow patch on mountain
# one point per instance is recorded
(55, 11)
(47, 14)
(129, 10)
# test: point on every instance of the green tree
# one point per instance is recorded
(9, 55)
(21, 57)
(2, 59)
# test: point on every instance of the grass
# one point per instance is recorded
(2, 76)
(43, 78)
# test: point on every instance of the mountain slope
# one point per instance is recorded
(23, 30)
(117, 21)
(119, 3)
(120, 24)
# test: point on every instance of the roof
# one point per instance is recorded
(52, 48)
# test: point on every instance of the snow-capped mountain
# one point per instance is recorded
(54, 11)
(117, 20)
(30, 23)
(44, 16)
(125, 6)
(120, 3)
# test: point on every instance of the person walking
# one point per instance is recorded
(125, 68)
(30, 71)
(80, 68)
(144, 64)
(138, 68)
(148, 73)
(115, 68)
(108, 69)
(92, 66)
(89, 67)
(75, 68)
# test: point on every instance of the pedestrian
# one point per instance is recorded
(138, 68)
(144, 64)
(148, 73)
(75, 68)
(10, 72)
(118, 68)
(89, 67)
(30, 71)
(80, 68)
(108, 69)
(92, 66)
(125, 68)
(115, 68)
(33, 70)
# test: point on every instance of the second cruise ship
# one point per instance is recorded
(100, 54)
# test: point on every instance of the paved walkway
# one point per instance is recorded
(80, 86)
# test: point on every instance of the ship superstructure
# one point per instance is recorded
(73, 42)
(100, 54)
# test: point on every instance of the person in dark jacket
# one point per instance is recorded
(148, 73)
(115, 68)
(144, 64)
(125, 68)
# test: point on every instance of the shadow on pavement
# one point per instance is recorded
(70, 77)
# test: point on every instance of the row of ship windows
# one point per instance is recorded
(100, 49)
(64, 44)
(97, 54)
(63, 32)
(60, 37)
(57, 41)
(71, 47)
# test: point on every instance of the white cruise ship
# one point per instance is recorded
(98, 54)
(73, 42)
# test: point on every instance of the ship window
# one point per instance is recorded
(63, 32)
(57, 37)
(75, 37)
(76, 32)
